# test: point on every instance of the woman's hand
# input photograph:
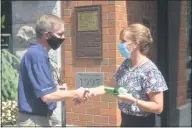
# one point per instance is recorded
(127, 98)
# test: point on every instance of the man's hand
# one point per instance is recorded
(63, 87)
(85, 94)
(82, 93)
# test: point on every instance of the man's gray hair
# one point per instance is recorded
(45, 24)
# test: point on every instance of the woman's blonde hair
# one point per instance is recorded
(138, 33)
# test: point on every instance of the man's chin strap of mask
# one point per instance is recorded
(55, 42)
(124, 51)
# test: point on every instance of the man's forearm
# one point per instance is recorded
(59, 96)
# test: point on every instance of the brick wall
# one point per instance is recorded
(101, 110)
(182, 62)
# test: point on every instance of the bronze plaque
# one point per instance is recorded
(88, 21)
(88, 32)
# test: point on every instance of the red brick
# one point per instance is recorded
(112, 16)
(109, 38)
(109, 54)
(100, 104)
(79, 123)
(79, 109)
(109, 98)
(68, 68)
(181, 101)
(113, 105)
(182, 92)
(67, 26)
(85, 117)
(69, 74)
(109, 125)
(100, 62)
(83, 62)
(67, 41)
(108, 8)
(102, 2)
(108, 112)
(93, 111)
(67, 19)
(113, 120)
(69, 4)
(182, 74)
(67, 12)
(108, 68)
(90, 124)
(96, 98)
(108, 23)
(101, 119)
(110, 2)
(119, 16)
(124, 24)
(67, 33)
(84, 3)
(119, 61)
(68, 121)
(112, 61)
(111, 31)
(68, 54)
(93, 69)
(68, 108)
(105, 46)
(71, 87)
(71, 115)
(121, 3)
(68, 47)
(111, 75)
(88, 103)
(105, 31)
(78, 69)
(121, 9)
(104, 16)
(106, 76)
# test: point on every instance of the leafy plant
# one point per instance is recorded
(9, 75)
(2, 21)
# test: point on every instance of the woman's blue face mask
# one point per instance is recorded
(124, 51)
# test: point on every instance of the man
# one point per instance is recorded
(37, 94)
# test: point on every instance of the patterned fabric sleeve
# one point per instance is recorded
(154, 81)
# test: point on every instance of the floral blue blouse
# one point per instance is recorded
(143, 79)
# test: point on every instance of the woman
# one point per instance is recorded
(140, 76)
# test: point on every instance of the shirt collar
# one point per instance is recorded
(40, 47)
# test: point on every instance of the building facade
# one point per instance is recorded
(169, 22)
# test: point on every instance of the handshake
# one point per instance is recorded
(83, 94)
(80, 95)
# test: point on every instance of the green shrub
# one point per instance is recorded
(9, 79)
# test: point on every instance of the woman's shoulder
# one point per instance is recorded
(149, 68)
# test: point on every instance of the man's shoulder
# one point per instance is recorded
(34, 54)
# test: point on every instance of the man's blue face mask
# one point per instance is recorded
(124, 51)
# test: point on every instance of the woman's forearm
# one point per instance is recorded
(98, 90)
(149, 106)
